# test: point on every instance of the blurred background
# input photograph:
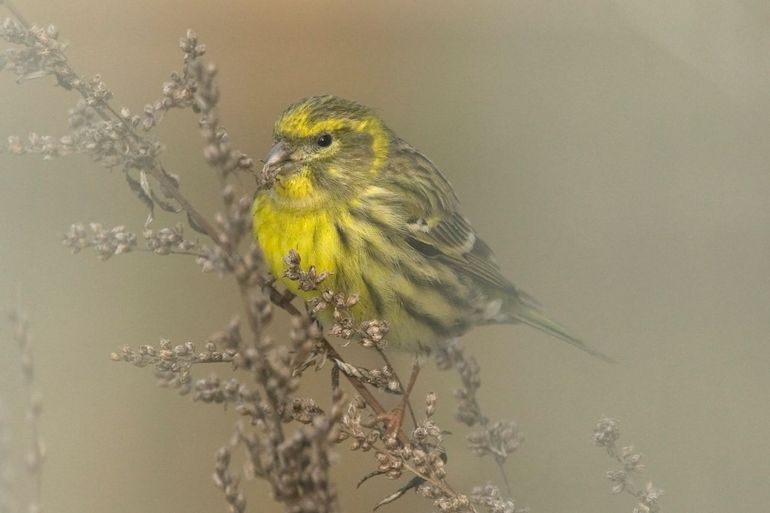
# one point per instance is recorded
(613, 153)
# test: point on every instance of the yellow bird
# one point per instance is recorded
(354, 199)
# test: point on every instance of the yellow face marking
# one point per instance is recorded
(380, 143)
(297, 124)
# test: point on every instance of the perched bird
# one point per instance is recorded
(354, 199)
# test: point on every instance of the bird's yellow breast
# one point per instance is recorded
(310, 232)
(392, 284)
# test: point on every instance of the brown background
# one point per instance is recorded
(615, 154)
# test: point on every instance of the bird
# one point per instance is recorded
(356, 201)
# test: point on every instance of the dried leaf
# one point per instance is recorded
(144, 182)
(194, 224)
(32, 75)
(367, 477)
(163, 204)
(413, 483)
(174, 179)
(139, 190)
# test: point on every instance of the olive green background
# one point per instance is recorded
(614, 153)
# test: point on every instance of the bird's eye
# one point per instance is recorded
(324, 140)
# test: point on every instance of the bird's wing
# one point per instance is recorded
(435, 227)
(452, 240)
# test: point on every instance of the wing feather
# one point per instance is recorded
(453, 241)
(435, 227)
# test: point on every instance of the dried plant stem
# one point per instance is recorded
(173, 252)
(160, 174)
(36, 454)
(498, 439)
(606, 434)
(335, 355)
(440, 484)
(156, 169)
(12, 8)
(294, 462)
(400, 384)
(200, 222)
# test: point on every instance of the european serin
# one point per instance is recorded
(354, 199)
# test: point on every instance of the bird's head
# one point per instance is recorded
(326, 144)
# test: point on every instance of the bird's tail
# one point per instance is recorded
(528, 312)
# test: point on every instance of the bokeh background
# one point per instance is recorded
(614, 153)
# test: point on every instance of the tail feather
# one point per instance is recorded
(531, 315)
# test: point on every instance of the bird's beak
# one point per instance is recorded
(278, 160)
